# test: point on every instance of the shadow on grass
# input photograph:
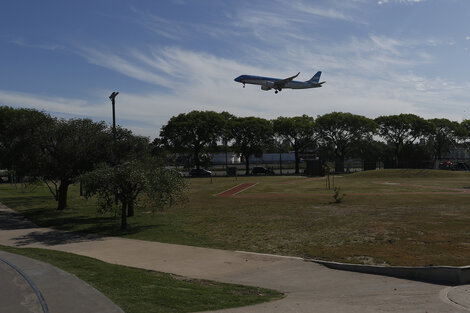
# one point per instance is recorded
(57, 237)
(69, 228)
(25, 200)
(53, 238)
(12, 220)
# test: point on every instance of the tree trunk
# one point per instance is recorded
(130, 209)
(339, 165)
(124, 216)
(247, 166)
(297, 162)
(397, 155)
(62, 195)
(196, 159)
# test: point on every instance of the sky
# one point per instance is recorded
(378, 57)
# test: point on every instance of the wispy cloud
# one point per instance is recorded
(323, 12)
(124, 66)
(399, 1)
(169, 67)
(161, 26)
(49, 104)
(44, 46)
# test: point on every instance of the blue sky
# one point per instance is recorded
(378, 57)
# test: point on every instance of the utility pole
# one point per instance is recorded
(113, 101)
(112, 97)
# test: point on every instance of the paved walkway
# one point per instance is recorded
(31, 286)
(309, 287)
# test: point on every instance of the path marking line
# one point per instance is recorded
(235, 190)
(43, 303)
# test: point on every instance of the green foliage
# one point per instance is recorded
(299, 131)
(401, 130)
(444, 134)
(133, 183)
(342, 131)
(128, 146)
(250, 135)
(36, 145)
(194, 132)
(21, 133)
(337, 196)
(72, 148)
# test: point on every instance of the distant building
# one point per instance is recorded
(273, 158)
(234, 158)
(219, 158)
(458, 153)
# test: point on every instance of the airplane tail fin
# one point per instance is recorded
(315, 78)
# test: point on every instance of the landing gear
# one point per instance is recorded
(277, 90)
(243, 85)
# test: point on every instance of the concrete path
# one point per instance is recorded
(32, 286)
(309, 287)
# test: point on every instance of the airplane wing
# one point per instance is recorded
(281, 83)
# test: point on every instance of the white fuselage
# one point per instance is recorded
(268, 83)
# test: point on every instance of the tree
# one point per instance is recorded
(194, 132)
(129, 146)
(299, 131)
(444, 134)
(401, 130)
(226, 134)
(133, 183)
(341, 131)
(250, 135)
(21, 131)
(72, 148)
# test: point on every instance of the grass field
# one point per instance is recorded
(395, 217)
(136, 290)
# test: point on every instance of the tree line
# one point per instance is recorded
(403, 140)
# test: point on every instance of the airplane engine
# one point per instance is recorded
(267, 85)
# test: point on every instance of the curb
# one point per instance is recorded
(444, 275)
(41, 300)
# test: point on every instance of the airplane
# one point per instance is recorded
(268, 83)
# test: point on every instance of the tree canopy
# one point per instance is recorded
(250, 135)
(341, 131)
(194, 132)
(443, 135)
(133, 183)
(21, 132)
(400, 130)
(72, 148)
(299, 131)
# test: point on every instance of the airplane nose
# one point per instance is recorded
(238, 79)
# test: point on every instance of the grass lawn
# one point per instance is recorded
(136, 290)
(395, 217)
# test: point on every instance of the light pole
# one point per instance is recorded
(113, 101)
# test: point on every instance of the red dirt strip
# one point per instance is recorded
(237, 189)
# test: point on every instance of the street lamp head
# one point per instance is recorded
(113, 95)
